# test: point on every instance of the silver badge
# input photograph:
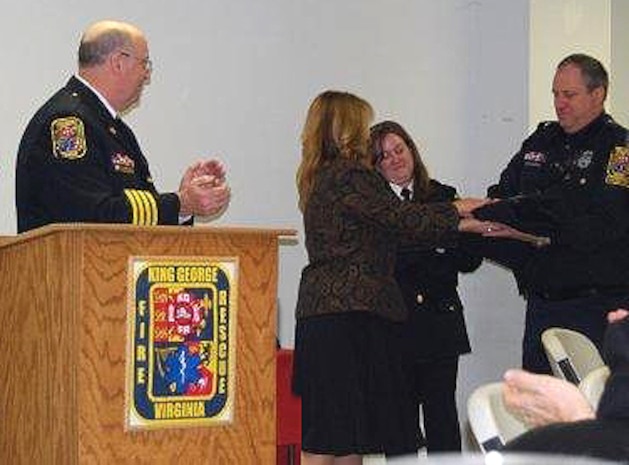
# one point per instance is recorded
(585, 159)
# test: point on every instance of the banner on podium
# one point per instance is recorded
(181, 321)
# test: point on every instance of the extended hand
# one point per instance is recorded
(617, 315)
(504, 231)
(472, 225)
(466, 206)
(542, 399)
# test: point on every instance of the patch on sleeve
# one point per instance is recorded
(618, 167)
(68, 138)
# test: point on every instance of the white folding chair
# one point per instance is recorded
(572, 355)
(593, 384)
(492, 424)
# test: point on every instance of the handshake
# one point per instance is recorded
(203, 190)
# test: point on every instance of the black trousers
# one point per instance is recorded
(435, 389)
(586, 315)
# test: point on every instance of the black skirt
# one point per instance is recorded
(355, 396)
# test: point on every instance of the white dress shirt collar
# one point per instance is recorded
(398, 189)
(104, 101)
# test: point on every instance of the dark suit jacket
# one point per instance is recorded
(76, 163)
(353, 223)
(428, 279)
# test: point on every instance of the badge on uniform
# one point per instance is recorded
(68, 138)
(585, 159)
(123, 163)
(618, 167)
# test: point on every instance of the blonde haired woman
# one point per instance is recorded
(348, 367)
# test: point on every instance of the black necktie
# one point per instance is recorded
(406, 194)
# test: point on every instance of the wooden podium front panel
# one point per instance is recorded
(250, 438)
(64, 347)
(38, 351)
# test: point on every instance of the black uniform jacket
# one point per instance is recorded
(76, 163)
(577, 191)
(614, 403)
(428, 279)
(353, 222)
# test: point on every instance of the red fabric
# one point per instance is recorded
(288, 412)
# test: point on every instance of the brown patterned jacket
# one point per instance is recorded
(353, 223)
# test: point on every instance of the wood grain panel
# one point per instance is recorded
(65, 360)
(38, 351)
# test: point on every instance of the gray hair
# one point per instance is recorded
(99, 42)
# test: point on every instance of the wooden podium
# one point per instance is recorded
(64, 347)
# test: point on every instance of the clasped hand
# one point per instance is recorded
(203, 189)
(469, 224)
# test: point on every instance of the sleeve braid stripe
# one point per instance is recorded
(133, 204)
(144, 210)
(150, 207)
(140, 220)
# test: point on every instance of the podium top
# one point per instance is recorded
(165, 230)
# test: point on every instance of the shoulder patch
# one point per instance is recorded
(618, 167)
(68, 138)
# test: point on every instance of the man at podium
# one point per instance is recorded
(79, 162)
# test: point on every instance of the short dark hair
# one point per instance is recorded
(593, 72)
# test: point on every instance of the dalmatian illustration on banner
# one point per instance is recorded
(181, 352)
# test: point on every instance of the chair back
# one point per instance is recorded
(288, 412)
(593, 384)
(572, 355)
(492, 424)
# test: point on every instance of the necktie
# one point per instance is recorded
(406, 194)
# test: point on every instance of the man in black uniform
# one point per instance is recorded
(79, 162)
(570, 181)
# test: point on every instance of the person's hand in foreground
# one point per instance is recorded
(542, 399)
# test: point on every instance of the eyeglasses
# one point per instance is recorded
(146, 62)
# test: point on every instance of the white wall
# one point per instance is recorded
(619, 66)
(235, 79)
(559, 28)
(562, 27)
